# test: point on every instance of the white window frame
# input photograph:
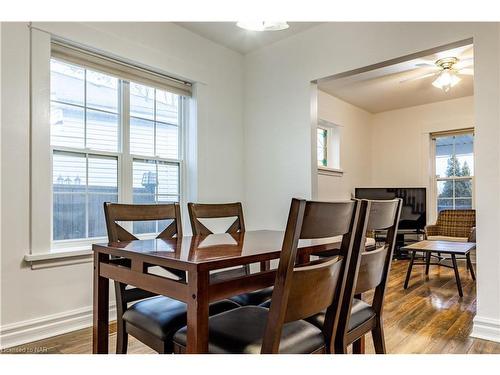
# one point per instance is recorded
(125, 161)
(333, 141)
(79, 244)
(325, 145)
(435, 179)
(42, 248)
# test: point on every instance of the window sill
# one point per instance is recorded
(330, 171)
(72, 253)
(60, 257)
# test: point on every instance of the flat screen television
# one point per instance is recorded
(413, 215)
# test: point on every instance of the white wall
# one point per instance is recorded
(279, 163)
(389, 148)
(31, 298)
(276, 138)
(355, 147)
(401, 142)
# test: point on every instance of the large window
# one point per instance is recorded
(112, 141)
(454, 171)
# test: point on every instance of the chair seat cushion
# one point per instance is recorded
(447, 238)
(253, 298)
(163, 316)
(266, 304)
(241, 331)
(360, 313)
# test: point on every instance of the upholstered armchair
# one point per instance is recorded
(453, 225)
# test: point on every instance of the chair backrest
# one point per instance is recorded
(115, 212)
(304, 290)
(456, 223)
(381, 215)
(371, 269)
(212, 211)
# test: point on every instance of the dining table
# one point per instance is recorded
(200, 256)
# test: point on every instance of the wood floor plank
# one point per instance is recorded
(428, 317)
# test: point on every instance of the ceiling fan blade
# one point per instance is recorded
(418, 77)
(465, 63)
(466, 71)
(462, 66)
(426, 63)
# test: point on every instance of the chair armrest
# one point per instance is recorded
(431, 230)
(472, 235)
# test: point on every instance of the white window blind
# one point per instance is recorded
(118, 68)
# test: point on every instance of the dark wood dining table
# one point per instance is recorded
(130, 262)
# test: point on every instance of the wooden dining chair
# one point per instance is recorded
(299, 291)
(199, 211)
(370, 271)
(152, 319)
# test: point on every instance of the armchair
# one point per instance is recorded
(453, 225)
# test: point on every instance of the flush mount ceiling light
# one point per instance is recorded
(262, 25)
(448, 70)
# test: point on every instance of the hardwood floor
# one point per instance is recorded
(428, 317)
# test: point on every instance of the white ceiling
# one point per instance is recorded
(243, 41)
(380, 90)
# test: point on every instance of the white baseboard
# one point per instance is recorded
(486, 328)
(47, 326)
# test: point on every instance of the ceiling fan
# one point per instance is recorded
(448, 69)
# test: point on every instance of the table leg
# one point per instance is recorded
(457, 276)
(427, 262)
(197, 312)
(471, 268)
(100, 329)
(358, 346)
(408, 272)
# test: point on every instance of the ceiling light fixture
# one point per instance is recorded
(447, 78)
(262, 25)
(447, 75)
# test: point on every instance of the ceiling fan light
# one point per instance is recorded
(446, 80)
(262, 25)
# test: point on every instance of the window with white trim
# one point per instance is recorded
(454, 170)
(328, 146)
(112, 140)
(322, 146)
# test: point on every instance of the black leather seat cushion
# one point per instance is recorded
(241, 331)
(253, 298)
(360, 313)
(163, 316)
(266, 304)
